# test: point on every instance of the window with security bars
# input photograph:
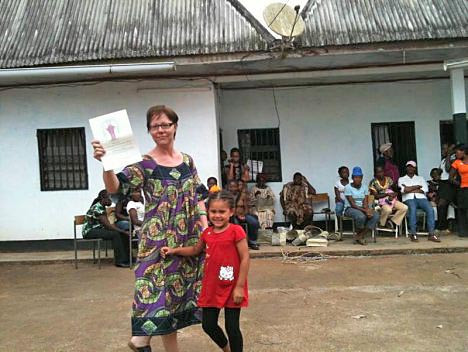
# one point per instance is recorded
(62, 159)
(402, 137)
(261, 146)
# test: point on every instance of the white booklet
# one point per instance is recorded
(115, 134)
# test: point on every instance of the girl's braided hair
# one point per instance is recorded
(223, 195)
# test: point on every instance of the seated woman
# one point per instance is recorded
(357, 207)
(294, 199)
(262, 201)
(97, 225)
(340, 184)
(136, 209)
(241, 215)
(381, 187)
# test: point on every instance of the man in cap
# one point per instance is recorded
(414, 189)
(386, 161)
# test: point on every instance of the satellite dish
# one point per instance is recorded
(284, 20)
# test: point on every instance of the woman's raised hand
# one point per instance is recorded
(99, 150)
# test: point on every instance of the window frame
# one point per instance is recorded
(83, 178)
(394, 142)
(277, 177)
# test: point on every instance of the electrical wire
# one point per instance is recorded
(276, 107)
(276, 16)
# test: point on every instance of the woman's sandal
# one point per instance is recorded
(139, 349)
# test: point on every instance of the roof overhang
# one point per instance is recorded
(242, 67)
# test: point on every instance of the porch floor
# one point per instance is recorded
(384, 246)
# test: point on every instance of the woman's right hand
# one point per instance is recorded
(99, 150)
(165, 251)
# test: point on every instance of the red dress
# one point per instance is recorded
(221, 268)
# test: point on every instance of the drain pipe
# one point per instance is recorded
(77, 73)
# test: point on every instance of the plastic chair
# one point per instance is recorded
(77, 221)
(396, 230)
(340, 226)
(419, 213)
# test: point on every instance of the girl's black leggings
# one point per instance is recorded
(211, 327)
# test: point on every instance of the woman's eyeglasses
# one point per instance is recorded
(163, 126)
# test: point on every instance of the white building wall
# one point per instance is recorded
(26, 213)
(324, 127)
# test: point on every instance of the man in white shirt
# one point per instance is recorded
(414, 189)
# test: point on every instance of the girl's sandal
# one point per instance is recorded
(139, 349)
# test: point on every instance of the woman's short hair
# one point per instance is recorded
(158, 110)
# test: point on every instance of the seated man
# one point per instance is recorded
(414, 189)
(294, 199)
(241, 215)
(357, 206)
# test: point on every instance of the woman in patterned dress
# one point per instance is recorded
(166, 290)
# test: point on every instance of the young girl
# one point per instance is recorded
(340, 185)
(224, 282)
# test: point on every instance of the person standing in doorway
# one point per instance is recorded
(386, 161)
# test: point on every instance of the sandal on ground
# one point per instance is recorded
(139, 349)
(362, 242)
(359, 238)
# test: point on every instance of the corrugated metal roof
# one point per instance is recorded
(44, 32)
(344, 22)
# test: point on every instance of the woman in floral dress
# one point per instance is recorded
(166, 290)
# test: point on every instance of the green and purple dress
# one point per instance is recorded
(166, 290)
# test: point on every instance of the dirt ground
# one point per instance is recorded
(407, 303)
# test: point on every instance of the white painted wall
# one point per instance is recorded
(26, 213)
(325, 127)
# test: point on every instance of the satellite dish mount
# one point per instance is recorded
(285, 21)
